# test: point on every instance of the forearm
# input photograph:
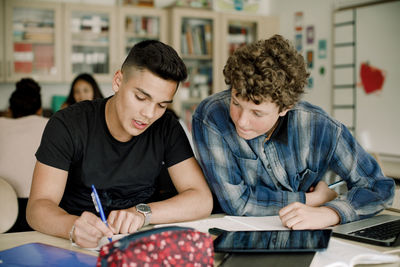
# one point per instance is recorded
(188, 205)
(45, 216)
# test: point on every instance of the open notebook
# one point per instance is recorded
(381, 230)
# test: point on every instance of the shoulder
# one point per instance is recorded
(26, 121)
(214, 109)
(307, 113)
(81, 112)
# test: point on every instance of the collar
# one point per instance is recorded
(279, 131)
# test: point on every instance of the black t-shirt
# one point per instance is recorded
(77, 140)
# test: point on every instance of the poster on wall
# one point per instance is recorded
(310, 82)
(310, 59)
(322, 48)
(298, 42)
(298, 21)
(310, 34)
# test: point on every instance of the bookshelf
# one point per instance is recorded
(2, 60)
(194, 35)
(33, 40)
(140, 23)
(90, 41)
(241, 29)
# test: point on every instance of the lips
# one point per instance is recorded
(139, 125)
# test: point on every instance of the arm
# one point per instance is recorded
(194, 201)
(44, 215)
(369, 191)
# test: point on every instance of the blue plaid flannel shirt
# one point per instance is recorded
(257, 178)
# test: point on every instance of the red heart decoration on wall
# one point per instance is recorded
(371, 78)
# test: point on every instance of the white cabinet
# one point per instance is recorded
(90, 41)
(33, 40)
(238, 30)
(140, 23)
(194, 34)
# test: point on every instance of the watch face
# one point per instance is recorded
(143, 208)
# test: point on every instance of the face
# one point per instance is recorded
(253, 120)
(140, 99)
(83, 91)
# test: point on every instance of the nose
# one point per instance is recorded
(148, 111)
(243, 119)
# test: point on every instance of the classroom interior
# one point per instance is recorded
(70, 37)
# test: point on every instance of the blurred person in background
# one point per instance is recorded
(83, 87)
(20, 136)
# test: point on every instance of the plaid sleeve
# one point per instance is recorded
(369, 191)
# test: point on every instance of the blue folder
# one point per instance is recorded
(38, 254)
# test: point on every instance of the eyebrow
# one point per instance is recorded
(254, 110)
(151, 98)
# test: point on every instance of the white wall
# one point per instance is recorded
(318, 14)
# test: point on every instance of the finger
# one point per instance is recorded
(128, 221)
(285, 210)
(84, 239)
(85, 235)
(111, 220)
(119, 218)
(102, 227)
(294, 222)
(133, 228)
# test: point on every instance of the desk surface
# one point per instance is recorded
(11, 240)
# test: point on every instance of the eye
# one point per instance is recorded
(235, 103)
(162, 105)
(258, 114)
(140, 98)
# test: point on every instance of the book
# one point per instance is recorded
(23, 57)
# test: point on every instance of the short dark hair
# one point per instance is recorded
(157, 57)
(267, 69)
(26, 99)
(89, 79)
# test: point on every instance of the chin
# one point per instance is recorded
(245, 136)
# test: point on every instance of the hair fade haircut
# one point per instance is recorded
(157, 57)
(267, 70)
(26, 99)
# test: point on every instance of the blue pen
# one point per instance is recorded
(99, 207)
(336, 184)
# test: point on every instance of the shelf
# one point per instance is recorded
(89, 44)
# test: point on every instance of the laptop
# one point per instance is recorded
(381, 230)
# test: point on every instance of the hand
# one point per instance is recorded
(298, 216)
(320, 194)
(89, 229)
(125, 221)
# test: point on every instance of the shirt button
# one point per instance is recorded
(269, 166)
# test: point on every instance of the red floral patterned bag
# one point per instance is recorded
(165, 246)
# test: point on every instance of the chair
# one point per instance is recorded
(8, 206)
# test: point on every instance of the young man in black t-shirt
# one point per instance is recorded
(119, 145)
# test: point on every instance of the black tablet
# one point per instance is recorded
(273, 241)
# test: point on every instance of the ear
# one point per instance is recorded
(117, 81)
(39, 112)
(283, 113)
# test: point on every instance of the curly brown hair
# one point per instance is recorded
(267, 70)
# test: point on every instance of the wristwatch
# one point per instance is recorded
(146, 211)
